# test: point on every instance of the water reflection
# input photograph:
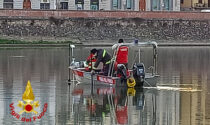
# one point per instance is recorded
(43, 67)
(182, 67)
(107, 105)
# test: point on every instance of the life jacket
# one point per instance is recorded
(122, 55)
(122, 58)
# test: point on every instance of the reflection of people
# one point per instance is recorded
(91, 105)
(121, 106)
(122, 114)
(102, 56)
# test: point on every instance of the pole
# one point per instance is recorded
(155, 60)
(154, 65)
(69, 65)
(139, 56)
(71, 50)
(91, 56)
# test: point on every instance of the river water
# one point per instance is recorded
(180, 97)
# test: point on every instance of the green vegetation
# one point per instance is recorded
(7, 41)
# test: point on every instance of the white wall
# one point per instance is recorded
(18, 4)
(123, 5)
(148, 5)
(35, 4)
(176, 5)
(86, 4)
(72, 5)
(136, 5)
(52, 4)
(105, 4)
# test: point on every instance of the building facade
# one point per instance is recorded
(163, 5)
(118, 5)
(195, 4)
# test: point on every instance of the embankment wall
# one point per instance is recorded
(84, 26)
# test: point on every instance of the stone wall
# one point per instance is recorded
(104, 29)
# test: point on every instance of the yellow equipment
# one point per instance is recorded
(131, 82)
(131, 92)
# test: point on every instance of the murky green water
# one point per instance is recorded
(181, 95)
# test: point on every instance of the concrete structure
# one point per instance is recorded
(104, 25)
(118, 5)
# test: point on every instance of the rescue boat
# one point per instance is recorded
(136, 76)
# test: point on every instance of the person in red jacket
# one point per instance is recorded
(90, 62)
(121, 53)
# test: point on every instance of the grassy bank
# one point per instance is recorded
(12, 41)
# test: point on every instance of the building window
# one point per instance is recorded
(160, 5)
(199, 1)
(94, 5)
(167, 5)
(45, 4)
(8, 4)
(128, 4)
(64, 5)
(182, 1)
(79, 4)
(116, 4)
(155, 5)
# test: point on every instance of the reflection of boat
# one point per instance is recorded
(107, 105)
(138, 70)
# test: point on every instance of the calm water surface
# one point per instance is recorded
(181, 96)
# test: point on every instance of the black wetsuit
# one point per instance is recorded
(105, 58)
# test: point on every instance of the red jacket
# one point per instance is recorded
(89, 62)
(122, 55)
(122, 114)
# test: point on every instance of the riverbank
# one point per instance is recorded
(36, 43)
(84, 26)
(20, 40)
(26, 42)
(66, 45)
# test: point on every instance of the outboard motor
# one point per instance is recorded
(139, 73)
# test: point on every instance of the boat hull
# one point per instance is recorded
(87, 78)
